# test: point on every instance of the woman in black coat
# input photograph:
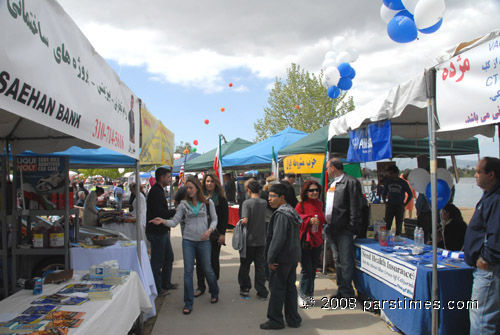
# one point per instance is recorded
(454, 228)
(214, 190)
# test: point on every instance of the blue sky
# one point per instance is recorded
(179, 57)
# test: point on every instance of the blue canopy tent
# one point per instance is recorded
(178, 162)
(261, 154)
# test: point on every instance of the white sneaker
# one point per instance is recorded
(301, 302)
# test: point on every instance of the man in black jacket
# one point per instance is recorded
(283, 254)
(288, 182)
(162, 255)
(343, 214)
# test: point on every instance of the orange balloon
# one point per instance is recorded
(230, 84)
(206, 121)
(186, 151)
(297, 106)
(222, 109)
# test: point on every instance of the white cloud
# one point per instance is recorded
(193, 43)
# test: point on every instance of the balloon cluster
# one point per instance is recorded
(420, 180)
(405, 18)
(337, 70)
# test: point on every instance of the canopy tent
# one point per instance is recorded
(184, 159)
(401, 147)
(461, 87)
(206, 161)
(261, 153)
(84, 103)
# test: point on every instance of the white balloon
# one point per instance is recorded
(387, 14)
(428, 13)
(331, 55)
(446, 176)
(419, 178)
(410, 5)
(324, 82)
(329, 62)
(344, 57)
(339, 43)
(332, 76)
(354, 54)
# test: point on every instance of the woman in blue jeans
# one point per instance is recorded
(310, 210)
(196, 230)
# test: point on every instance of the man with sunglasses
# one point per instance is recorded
(343, 215)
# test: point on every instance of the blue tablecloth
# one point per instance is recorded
(455, 284)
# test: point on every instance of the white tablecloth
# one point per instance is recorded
(115, 316)
(84, 258)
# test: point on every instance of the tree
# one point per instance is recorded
(179, 149)
(305, 90)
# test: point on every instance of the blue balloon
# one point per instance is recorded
(352, 74)
(443, 193)
(344, 69)
(394, 4)
(345, 83)
(402, 29)
(333, 92)
(433, 28)
(405, 13)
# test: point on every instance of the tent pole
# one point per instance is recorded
(431, 113)
(139, 211)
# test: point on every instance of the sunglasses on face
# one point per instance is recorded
(313, 190)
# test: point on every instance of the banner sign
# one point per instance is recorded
(468, 88)
(51, 75)
(370, 144)
(393, 272)
(157, 141)
(304, 163)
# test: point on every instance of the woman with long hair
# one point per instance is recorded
(194, 212)
(214, 191)
(310, 209)
(454, 228)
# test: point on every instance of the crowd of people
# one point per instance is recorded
(282, 231)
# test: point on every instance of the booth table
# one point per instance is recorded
(115, 316)
(84, 258)
(455, 284)
(129, 229)
(234, 216)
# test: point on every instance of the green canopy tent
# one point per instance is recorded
(401, 147)
(206, 161)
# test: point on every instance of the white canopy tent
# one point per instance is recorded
(465, 106)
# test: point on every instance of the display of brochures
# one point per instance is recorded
(75, 288)
(57, 299)
(64, 315)
(26, 328)
(44, 309)
(71, 301)
(100, 292)
(28, 318)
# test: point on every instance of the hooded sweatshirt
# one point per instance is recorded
(282, 242)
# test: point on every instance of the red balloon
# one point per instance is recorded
(195, 142)
(206, 121)
(230, 84)
(222, 109)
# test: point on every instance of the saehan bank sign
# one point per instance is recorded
(370, 144)
(391, 271)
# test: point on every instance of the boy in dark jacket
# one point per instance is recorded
(283, 255)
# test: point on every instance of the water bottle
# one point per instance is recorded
(315, 227)
(415, 235)
(420, 241)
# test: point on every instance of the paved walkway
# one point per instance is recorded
(234, 314)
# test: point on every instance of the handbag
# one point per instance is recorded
(214, 236)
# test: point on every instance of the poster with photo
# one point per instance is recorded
(41, 180)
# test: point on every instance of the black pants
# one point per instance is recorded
(283, 292)
(255, 255)
(394, 212)
(214, 259)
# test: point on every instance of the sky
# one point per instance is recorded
(179, 57)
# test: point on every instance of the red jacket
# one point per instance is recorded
(307, 209)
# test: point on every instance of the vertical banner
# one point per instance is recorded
(370, 144)
(157, 141)
(468, 88)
